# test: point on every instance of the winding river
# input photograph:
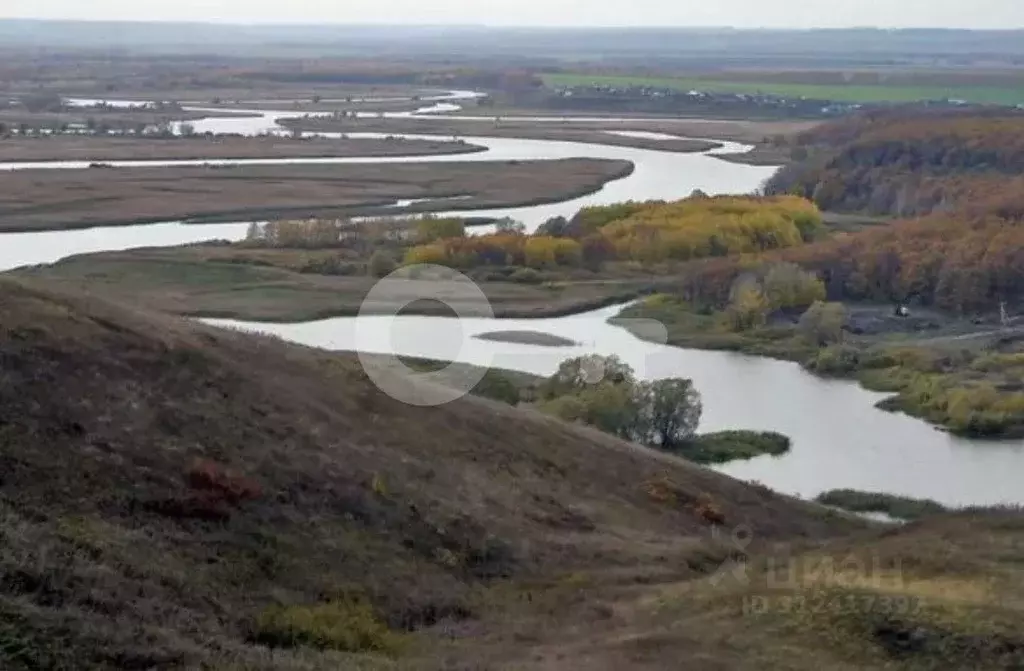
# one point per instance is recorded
(839, 438)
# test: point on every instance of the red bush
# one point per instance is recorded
(218, 482)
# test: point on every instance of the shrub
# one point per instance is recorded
(231, 486)
(497, 386)
(347, 624)
(331, 265)
(835, 360)
(661, 490)
(429, 229)
(900, 507)
(823, 323)
(526, 276)
(708, 511)
(381, 264)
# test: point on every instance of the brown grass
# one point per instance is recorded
(52, 199)
(104, 410)
(90, 148)
(234, 282)
(367, 534)
(113, 118)
(592, 132)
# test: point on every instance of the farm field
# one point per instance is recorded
(1006, 94)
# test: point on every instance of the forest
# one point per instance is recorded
(647, 233)
(904, 164)
(953, 183)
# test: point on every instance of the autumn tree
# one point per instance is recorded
(748, 307)
(789, 287)
(429, 229)
(823, 323)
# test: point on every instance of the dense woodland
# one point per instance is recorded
(954, 179)
(898, 165)
(647, 233)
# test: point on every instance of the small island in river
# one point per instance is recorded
(528, 338)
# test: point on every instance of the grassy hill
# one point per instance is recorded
(177, 496)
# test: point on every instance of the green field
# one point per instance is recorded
(858, 93)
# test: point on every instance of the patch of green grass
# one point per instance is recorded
(347, 625)
(900, 507)
(726, 446)
(857, 93)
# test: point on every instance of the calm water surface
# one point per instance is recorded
(839, 438)
(657, 175)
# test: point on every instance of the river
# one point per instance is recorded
(657, 175)
(839, 438)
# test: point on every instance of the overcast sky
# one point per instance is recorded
(741, 13)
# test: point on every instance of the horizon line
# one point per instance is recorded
(313, 23)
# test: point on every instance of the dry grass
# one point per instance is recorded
(93, 148)
(233, 282)
(112, 118)
(440, 520)
(51, 199)
(751, 131)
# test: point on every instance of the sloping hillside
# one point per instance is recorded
(174, 495)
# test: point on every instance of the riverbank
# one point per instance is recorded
(283, 286)
(36, 200)
(970, 387)
(527, 130)
(896, 507)
(105, 148)
(112, 118)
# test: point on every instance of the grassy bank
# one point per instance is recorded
(103, 148)
(585, 132)
(899, 507)
(271, 285)
(970, 389)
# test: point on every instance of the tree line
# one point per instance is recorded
(954, 178)
(648, 232)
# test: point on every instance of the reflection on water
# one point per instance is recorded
(840, 440)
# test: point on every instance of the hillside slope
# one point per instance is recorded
(173, 495)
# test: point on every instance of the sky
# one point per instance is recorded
(738, 13)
